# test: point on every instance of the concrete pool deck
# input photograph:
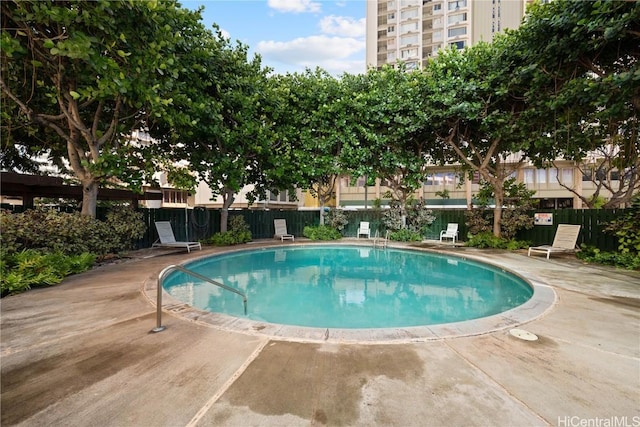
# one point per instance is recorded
(81, 353)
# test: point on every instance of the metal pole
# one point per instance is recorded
(159, 327)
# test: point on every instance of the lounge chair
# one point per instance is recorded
(564, 241)
(166, 239)
(450, 233)
(364, 230)
(281, 230)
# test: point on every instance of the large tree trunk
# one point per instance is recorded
(228, 196)
(498, 190)
(89, 197)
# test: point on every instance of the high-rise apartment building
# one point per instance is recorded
(411, 31)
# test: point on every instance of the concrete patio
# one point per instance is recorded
(81, 353)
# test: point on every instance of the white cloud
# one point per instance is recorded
(295, 6)
(343, 26)
(330, 53)
(226, 34)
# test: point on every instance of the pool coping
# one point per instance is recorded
(542, 301)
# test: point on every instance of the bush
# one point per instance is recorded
(48, 230)
(517, 201)
(126, 226)
(238, 233)
(405, 235)
(626, 260)
(20, 271)
(321, 232)
(488, 240)
(627, 229)
(337, 219)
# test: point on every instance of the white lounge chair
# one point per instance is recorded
(281, 230)
(564, 241)
(364, 230)
(166, 239)
(450, 233)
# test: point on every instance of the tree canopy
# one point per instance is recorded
(78, 76)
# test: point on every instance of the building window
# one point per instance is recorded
(409, 14)
(455, 32)
(458, 45)
(411, 65)
(457, 4)
(528, 176)
(282, 196)
(408, 53)
(587, 174)
(391, 29)
(174, 196)
(566, 176)
(406, 28)
(406, 40)
(391, 56)
(454, 19)
(541, 176)
(391, 16)
(437, 7)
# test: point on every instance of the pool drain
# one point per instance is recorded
(523, 335)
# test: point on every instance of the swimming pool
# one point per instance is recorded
(349, 287)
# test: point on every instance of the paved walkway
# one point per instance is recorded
(81, 354)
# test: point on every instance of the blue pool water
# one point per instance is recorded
(349, 287)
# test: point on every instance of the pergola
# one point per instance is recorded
(30, 186)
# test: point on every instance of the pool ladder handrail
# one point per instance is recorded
(173, 267)
(381, 241)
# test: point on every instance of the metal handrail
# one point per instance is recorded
(161, 277)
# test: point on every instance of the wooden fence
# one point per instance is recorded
(199, 223)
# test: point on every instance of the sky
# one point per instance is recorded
(291, 35)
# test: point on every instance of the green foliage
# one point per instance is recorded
(70, 233)
(321, 232)
(628, 260)
(627, 229)
(76, 76)
(518, 202)
(392, 217)
(126, 226)
(444, 194)
(238, 233)
(336, 218)
(20, 271)
(487, 239)
(405, 235)
(418, 218)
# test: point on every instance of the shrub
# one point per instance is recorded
(517, 201)
(337, 219)
(486, 239)
(126, 226)
(48, 230)
(238, 233)
(321, 232)
(405, 235)
(626, 260)
(418, 219)
(20, 271)
(627, 229)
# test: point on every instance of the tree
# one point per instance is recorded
(78, 76)
(480, 119)
(229, 141)
(394, 141)
(584, 76)
(307, 124)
